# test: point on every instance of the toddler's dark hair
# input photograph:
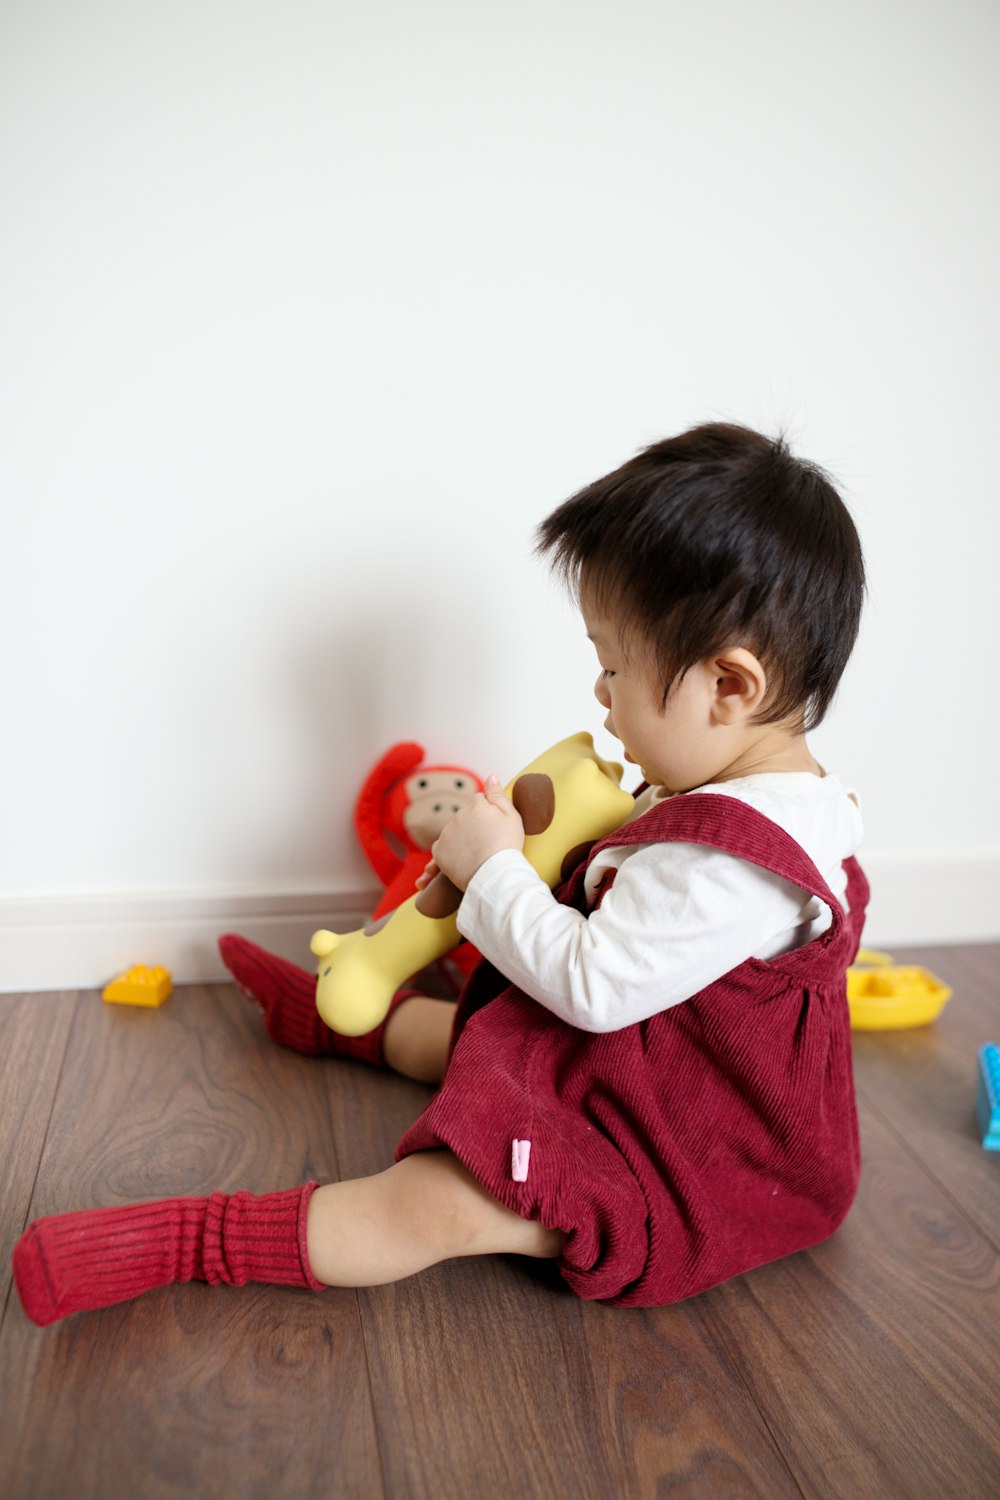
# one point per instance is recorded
(721, 538)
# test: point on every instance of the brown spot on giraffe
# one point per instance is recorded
(573, 857)
(534, 796)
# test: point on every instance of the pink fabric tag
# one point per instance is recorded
(520, 1152)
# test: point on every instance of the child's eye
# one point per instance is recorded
(606, 672)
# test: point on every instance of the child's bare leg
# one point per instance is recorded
(427, 1208)
(416, 1038)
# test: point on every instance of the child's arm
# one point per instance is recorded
(677, 917)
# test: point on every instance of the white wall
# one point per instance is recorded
(312, 310)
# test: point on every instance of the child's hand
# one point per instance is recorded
(486, 826)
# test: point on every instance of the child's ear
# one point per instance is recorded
(739, 686)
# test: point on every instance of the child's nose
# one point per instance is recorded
(601, 691)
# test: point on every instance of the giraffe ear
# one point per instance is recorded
(441, 898)
(534, 796)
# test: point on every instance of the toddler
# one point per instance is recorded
(649, 1075)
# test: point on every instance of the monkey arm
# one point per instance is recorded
(369, 810)
(403, 883)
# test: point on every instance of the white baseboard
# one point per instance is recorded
(80, 942)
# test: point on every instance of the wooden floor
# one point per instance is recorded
(867, 1367)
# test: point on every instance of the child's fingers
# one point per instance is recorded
(427, 874)
(497, 798)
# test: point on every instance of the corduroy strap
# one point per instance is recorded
(721, 822)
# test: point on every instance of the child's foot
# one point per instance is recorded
(74, 1262)
(286, 995)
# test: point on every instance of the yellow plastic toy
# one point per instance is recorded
(140, 986)
(569, 796)
(891, 997)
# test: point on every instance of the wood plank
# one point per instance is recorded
(490, 1378)
(34, 1030)
(185, 1388)
(873, 1357)
(680, 1416)
(922, 1082)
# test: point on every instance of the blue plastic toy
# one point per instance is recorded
(988, 1097)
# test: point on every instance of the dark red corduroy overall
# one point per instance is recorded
(675, 1153)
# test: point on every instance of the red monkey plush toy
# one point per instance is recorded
(405, 803)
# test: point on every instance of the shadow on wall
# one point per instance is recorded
(353, 691)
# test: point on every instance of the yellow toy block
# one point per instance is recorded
(140, 986)
(891, 997)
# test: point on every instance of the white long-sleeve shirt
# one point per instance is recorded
(677, 917)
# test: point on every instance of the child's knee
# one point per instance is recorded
(417, 1036)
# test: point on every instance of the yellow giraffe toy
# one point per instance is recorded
(569, 796)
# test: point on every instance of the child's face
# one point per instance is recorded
(671, 745)
(708, 731)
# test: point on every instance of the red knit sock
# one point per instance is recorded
(287, 996)
(73, 1262)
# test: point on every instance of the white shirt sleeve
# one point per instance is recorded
(677, 917)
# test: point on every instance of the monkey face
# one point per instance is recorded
(434, 799)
